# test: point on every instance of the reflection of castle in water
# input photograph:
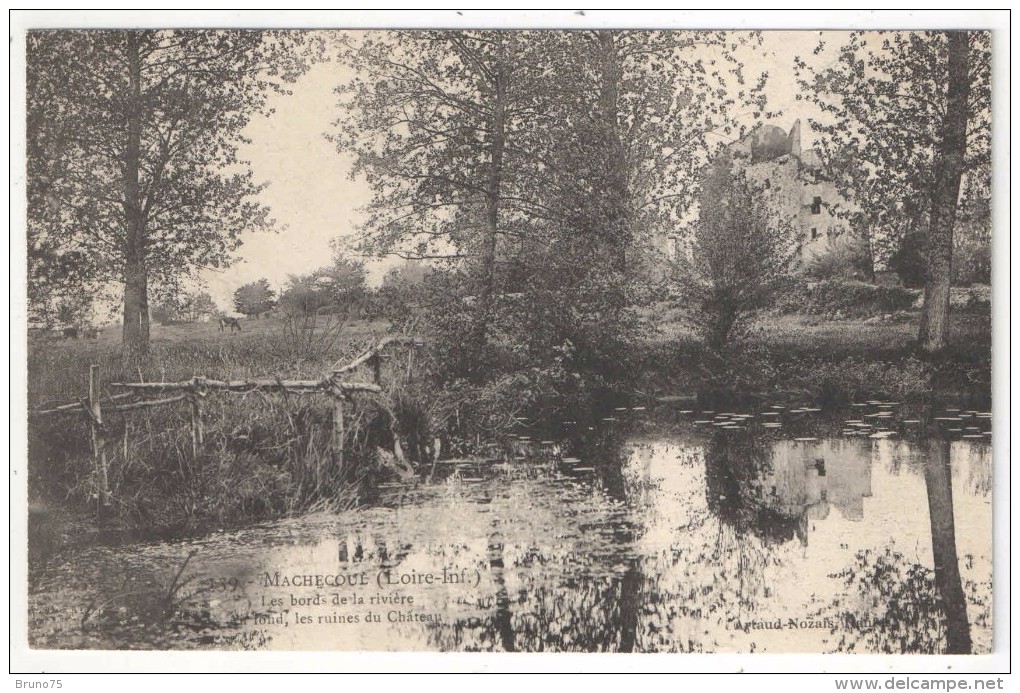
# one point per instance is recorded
(808, 478)
(775, 490)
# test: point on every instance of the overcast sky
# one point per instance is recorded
(311, 195)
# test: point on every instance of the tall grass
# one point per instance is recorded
(264, 455)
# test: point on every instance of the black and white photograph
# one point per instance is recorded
(482, 338)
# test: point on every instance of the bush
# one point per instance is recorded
(740, 257)
(972, 263)
(853, 377)
(399, 296)
(909, 261)
(845, 257)
(848, 299)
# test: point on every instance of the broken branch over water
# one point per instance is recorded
(372, 352)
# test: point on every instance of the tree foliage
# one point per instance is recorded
(188, 307)
(538, 164)
(338, 287)
(344, 279)
(740, 255)
(631, 119)
(133, 167)
(434, 120)
(884, 102)
(972, 236)
(908, 118)
(254, 298)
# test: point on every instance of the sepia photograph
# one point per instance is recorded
(484, 338)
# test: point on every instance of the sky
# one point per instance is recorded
(314, 201)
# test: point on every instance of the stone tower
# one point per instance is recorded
(795, 139)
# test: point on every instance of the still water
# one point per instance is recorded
(714, 533)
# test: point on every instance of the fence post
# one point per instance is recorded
(337, 442)
(377, 369)
(197, 426)
(98, 443)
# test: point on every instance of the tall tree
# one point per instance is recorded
(945, 194)
(510, 149)
(627, 121)
(345, 278)
(134, 174)
(430, 118)
(645, 105)
(907, 114)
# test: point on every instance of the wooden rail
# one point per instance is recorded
(74, 407)
(195, 390)
(296, 387)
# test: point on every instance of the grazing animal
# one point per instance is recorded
(232, 323)
(70, 333)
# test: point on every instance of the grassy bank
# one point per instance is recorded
(265, 456)
(830, 361)
(268, 456)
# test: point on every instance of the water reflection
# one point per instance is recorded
(715, 541)
(938, 481)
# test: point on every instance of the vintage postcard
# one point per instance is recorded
(480, 335)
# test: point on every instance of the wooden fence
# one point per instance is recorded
(195, 390)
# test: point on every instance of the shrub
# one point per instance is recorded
(909, 261)
(398, 297)
(845, 257)
(972, 262)
(851, 299)
(739, 260)
(854, 377)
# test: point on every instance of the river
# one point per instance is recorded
(777, 530)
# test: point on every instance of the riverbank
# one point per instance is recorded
(264, 455)
(267, 456)
(828, 361)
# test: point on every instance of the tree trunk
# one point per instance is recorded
(615, 203)
(136, 310)
(630, 607)
(938, 482)
(502, 619)
(136, 280)
(719, 327)
(869, 260)
(493, 192)
(949, 162)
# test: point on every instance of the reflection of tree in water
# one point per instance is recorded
(501, 619)
(892, 606)
(679, 546)
(904, 607)
(938, 480)
(979, 467)
(736, 470)
(590, 613)
(585, 615)
(715, 545)
(593, 607)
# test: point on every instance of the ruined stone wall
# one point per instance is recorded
(802, 203)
